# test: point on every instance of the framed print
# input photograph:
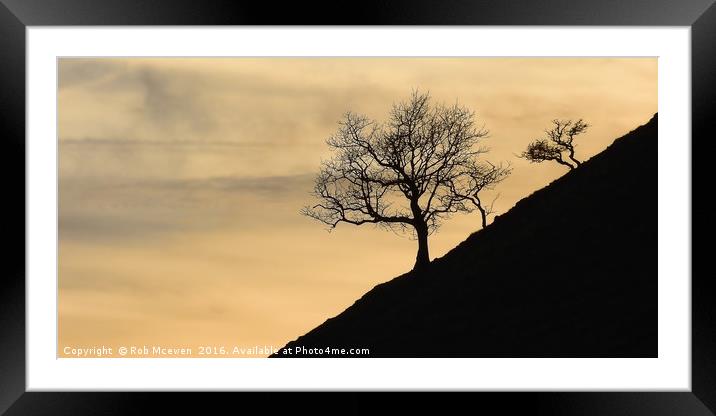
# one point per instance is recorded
(493, 199)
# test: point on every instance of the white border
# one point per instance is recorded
(671, 371)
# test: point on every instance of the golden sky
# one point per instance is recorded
(181, 182)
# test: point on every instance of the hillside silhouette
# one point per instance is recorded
(570, 271)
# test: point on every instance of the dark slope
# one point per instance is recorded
(570, 271)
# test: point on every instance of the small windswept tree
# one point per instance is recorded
(559, 141)
(406, 174)
(484, 177)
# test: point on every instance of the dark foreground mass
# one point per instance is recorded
(570, 271)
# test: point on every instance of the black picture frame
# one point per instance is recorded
(16, 15)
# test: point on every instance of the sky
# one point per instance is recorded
(181, 182)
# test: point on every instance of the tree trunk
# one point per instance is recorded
(483, 215)
(573, 159)
(562, 162)
(422, 260)
(483, 211)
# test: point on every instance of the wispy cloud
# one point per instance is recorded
(168, 103)
(91, 141)
(80, 72)
(108, 211)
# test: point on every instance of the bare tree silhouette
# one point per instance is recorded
(407, 174)
(559, 140)
(485, 176)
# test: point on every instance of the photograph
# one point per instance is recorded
(357, 207)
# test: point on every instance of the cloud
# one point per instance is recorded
(75, 72)
(143, 99)
(93, 141)
(110, 210)
(276, 186)
(173, 101)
